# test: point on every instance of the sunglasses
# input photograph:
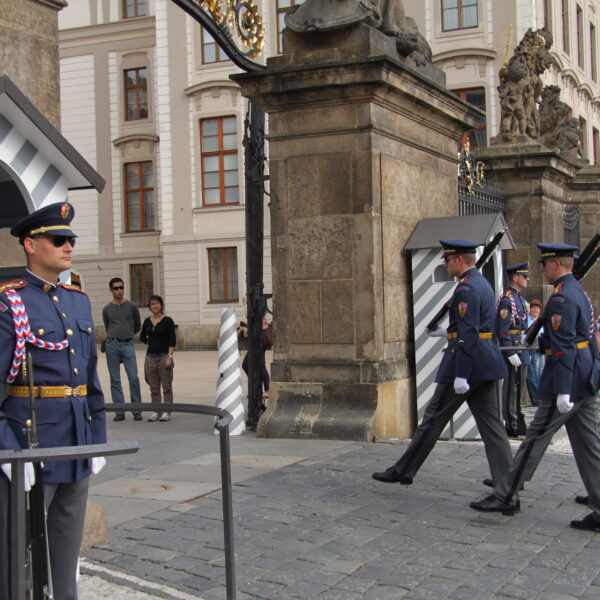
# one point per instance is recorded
(118, 287)
(58, 240)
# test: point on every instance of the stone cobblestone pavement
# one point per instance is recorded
(324, 529)
(310, 522)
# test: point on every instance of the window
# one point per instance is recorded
(579, 36)
(139, 196)
(211, 52)
(223, 274)
(134, 8)
(142, 283)
(136, 94)
(596, 141)
(583, 136)
(565, 26)
(476, 97)
(219, 161)
(548, 14)
(593, 51)
(282, 6)
(459, 14)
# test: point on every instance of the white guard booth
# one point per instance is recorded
(432, 287)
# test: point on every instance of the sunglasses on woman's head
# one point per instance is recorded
(58, 240)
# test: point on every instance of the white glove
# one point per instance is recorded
(29, 474)
(524, 339)
(514, 360)
(437, 332)
(98, 463)
(563, 403)
(460, 385)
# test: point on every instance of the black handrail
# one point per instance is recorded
(222, 425)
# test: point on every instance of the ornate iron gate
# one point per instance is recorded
(476, 194)
(237, 27)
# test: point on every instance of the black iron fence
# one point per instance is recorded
(571, 224)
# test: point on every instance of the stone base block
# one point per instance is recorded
(338, 411)
(95, 529)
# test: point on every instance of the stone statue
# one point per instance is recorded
(521, 76)
(558, 132)
(386, 15)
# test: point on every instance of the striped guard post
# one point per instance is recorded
(229, 380)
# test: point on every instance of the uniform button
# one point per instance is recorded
(90, 419)
(64, 316)
(40, 331)
(72, 351)
(89, 330)
(69, 332)
(75, 370)
(55, 298)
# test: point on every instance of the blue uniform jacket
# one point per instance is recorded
(567, 318)
(471, 312)
(507, 322)
(59, 313)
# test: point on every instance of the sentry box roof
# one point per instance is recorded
(476, 228)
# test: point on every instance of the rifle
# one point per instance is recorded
(487, 252)
(38, 550)
(581, 268)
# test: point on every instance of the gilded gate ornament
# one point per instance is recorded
(240, 20)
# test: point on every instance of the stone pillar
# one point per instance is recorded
(536, 183)
(29, 51)
(361, 148)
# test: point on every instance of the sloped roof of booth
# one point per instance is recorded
(33, 125)
(475, 228)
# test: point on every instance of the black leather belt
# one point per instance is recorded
(119, 339)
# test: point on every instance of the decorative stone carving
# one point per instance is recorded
(387, 16)
(521, 86)
(558, 132)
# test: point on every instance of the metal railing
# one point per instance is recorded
(17, 493)
(18, 570)
(222, 425)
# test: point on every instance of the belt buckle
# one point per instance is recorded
(76, 391)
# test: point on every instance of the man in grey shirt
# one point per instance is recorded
(121, 321)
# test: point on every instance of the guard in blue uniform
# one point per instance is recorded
(511, 323)
(471, 364)
(69, 400)
(567, 390)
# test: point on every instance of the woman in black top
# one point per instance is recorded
(158, 331)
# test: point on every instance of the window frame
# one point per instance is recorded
(596, 144)
(566, 33)
(144, 290)
(593, 53)
(140, 190)
(224, 266)
(218, 50)
(462, 94)
(580, 36)
(136, 5)
(548, 20)
(136, 87)
(220, 153)
(459, 9)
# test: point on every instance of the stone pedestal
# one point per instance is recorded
(537, 183)
(361, 148)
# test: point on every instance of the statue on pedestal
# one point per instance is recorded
(387, 16)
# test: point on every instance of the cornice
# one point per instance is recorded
(136, 137)
(207, 85)
(458, 52)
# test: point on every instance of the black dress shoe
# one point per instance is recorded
(489, 482)
(590, 522)
(138, 417)
(582, 500)
(119, 417)
(392, 476)
(493, 504)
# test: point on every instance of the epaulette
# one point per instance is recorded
(15, 284)
(72, 288)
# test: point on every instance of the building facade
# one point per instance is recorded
(146, 98)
